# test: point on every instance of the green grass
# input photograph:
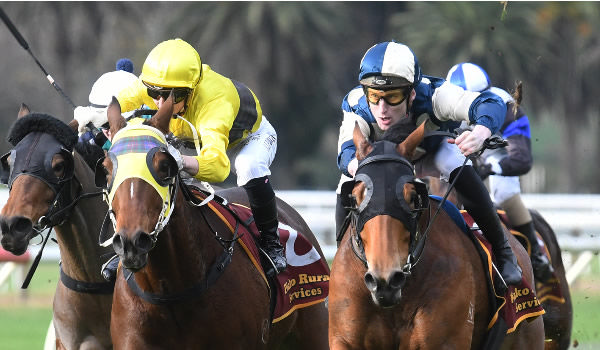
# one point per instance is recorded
(24, 327)
(586, 319)
(23, 323)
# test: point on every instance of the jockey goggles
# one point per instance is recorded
(392, 97)
(156, 92)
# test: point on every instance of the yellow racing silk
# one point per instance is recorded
(222, 110)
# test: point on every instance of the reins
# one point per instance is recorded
(417, 245)
(215, 271)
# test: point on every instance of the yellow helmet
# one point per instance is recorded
(172, 63)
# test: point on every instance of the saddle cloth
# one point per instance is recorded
(305, 281)
(518, 303)
(549, 290)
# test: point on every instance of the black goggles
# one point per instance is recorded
(155, 92)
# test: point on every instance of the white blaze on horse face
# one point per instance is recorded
(131, 191)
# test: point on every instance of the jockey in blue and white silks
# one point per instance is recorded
(505, 165)
(393, 91)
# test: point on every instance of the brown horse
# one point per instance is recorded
(194, 287)
(384, 297)
(558, 319)
(52, 187)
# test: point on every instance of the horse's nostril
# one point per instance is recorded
(397, 279)
(118, 244)
(21, 225)
(370, 281)
(143, 242)
(3, 225)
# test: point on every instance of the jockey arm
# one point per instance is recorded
(485, 110)
(518, 134)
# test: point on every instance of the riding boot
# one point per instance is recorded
(477, 202)
(264, 209)
(109, 269)
(542, 270)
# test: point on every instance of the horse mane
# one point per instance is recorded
(400, 131)
(38, 122)
(90, 153)
(517, 96)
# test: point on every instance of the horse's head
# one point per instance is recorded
(36, 171)
(388, 201)
(139, 176)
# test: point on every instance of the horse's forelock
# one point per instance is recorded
(37, 122)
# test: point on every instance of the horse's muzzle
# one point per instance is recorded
(133, 251)
(15, 232)
(385, 292)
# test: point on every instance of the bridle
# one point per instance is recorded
(146, 141)
(133, 148)
(384, 173)
(23, 159)
(417, 241)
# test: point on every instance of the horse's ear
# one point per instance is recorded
(162, 118)
(407, 147)
(363, 146)
(23, 111)
(115, 119)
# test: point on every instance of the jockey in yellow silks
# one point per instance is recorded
(229, 122)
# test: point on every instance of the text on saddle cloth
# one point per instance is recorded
(305, 281)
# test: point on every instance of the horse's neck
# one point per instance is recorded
(81, 255)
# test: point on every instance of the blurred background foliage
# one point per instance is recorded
(301, 58)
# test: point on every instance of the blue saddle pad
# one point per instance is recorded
(453, 212)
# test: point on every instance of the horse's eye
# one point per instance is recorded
(58, 166)
(164, 168)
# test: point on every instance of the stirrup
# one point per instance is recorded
(272, 269)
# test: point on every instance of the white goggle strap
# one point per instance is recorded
(194, 132)
(206, 185)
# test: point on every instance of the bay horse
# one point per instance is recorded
(382, 299)
(558, 319)
(53, 187)
(194, 287)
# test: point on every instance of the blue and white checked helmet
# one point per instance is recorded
(389, 64)
(469, 76)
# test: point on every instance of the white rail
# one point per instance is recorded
(574, 218)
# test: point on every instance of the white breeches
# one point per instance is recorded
(503, 187)
(253, 156)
